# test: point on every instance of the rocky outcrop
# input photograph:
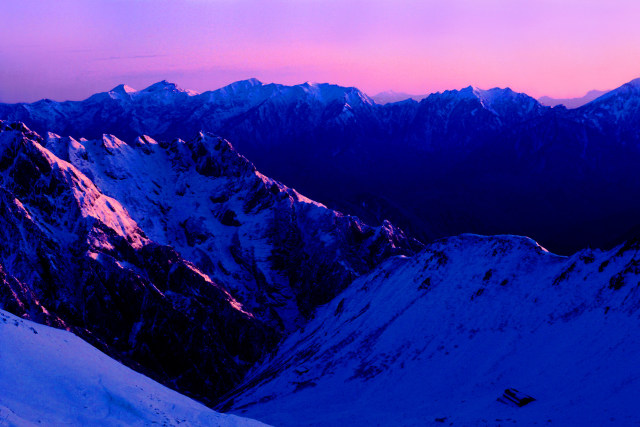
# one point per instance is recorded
(177, 258)
(72, 257)
(278, 252)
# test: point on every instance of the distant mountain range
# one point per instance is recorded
(391, 96)
(470, 160)
(572, 102)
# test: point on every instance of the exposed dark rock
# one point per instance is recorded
(73, 257)
(513, 397)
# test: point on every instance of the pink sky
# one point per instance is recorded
(69, 49)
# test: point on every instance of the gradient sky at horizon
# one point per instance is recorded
(69, 49)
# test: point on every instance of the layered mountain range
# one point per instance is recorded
(572, 102)
(469, 160)
(127, 222)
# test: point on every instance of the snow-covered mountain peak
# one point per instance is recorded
(160, 91)
(486, 96)
(161, 85)
(165, 86)
(251, 82)
(122, 92)
(144, 140)
(62, 146)
(254, 81)
(327, 93)
(111, 142)
(70, 196)
(237, 96)
(494, 93)
(123, 89)
(466, 92)
(507, 106)
(454, 96)
(240, 87)
(357, 95)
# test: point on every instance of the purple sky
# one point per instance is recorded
(69, 49)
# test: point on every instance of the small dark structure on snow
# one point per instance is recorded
(513, 397)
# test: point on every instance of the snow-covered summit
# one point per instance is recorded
(239, 95)
(83, 202)
(504, 103)
(248, 83)
(123, 89)
(165, 86)
(328, 93)
(496, 94)
(121, 93)
(241, 86)
(127, 94)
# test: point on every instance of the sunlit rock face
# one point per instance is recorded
(178, 258)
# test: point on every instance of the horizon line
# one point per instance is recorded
(262, 83)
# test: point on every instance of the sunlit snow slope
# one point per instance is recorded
(51, 377)
(440, 336)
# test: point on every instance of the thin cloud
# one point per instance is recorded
(118, 58)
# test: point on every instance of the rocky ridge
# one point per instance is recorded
(78, 258)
